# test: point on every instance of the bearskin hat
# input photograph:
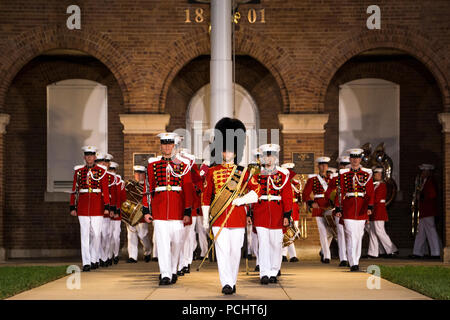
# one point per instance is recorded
(229, 135)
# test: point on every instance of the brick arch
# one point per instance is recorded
(315, 83)
(19, 51)
(248, 42)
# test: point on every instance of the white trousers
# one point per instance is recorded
(354, 231)
(169, 240)
(155, 251)
(136, 234)
(202, 236)
(377, 234)
(189, 244)
(115, 238)
(270, 244)
(341, 240)
(228, 251)
(106, 239)
(427, 232)
(290, 249)
(90, 235)
(325, 237)
(255, 247)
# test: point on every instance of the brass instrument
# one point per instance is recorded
(303, 232)
(131, 209)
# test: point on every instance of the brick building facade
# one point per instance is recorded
(291, 60)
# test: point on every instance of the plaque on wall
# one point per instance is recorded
(304, 162)
(141, 159)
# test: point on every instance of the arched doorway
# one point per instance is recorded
(197, 121)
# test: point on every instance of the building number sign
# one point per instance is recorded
(253, 16)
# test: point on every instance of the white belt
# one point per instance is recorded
(319, 196)
(168, 188)
(382, 201)
(355, 194)
(270, 198)
(295, 200)
(91, 190)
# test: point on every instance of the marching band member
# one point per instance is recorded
(104, 160)
(295, 184)
(140, 231)
(428, 209)
(318, 185)
(199, 228)
(356, 186)
(230, 224)
(271, 212)
(344, 162)
(377, 233)
(116, 219)
(89, 201)
(167, 199)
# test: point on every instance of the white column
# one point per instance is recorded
(221, 71)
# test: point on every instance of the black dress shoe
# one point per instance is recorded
(354, 268)
(109, 261)
(435, 257)
(257, 268)
(279, 273)
(86, 268)
(273, 280)
(344, 263)
(147, 258)
(155, 259)
(326, 261)
(174, 279)
(293, 259)
(180, 273)
(234, 289)
(164, 281)
(284, 259)
(227, 289)
(94, 265)
(321, 254)
(131, 260)
(187, 269)
(116, 260)
(265, 280)
(102, 263)
(371, 257)
(413, 256)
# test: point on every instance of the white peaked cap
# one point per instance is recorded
(100, 155)
(288, 165)
(344, 159)
(355, 151)
(167, 136)
(108, 156)
(323, 159)
(139, 168)
(426, 166)
(271, 147)
(89, 149)
(377, 169)
(113, 165)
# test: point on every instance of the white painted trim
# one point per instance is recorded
(144, 123)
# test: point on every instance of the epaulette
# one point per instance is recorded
(283, 170)
(101, 166)
(341, 171)
(312, 175)
(369, 171)
(184, 160)
(154, 159)
(78, 167)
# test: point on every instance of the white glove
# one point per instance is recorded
(250, 197)
(205, 211)
(296, 224)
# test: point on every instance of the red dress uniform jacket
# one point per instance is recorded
(92, 185)
(314, 185)
(270, 214)
(216, 177)
(121, 197)
(168, 204)
(356, 207)
(428, 199)
(379, 212)
(112, 193)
